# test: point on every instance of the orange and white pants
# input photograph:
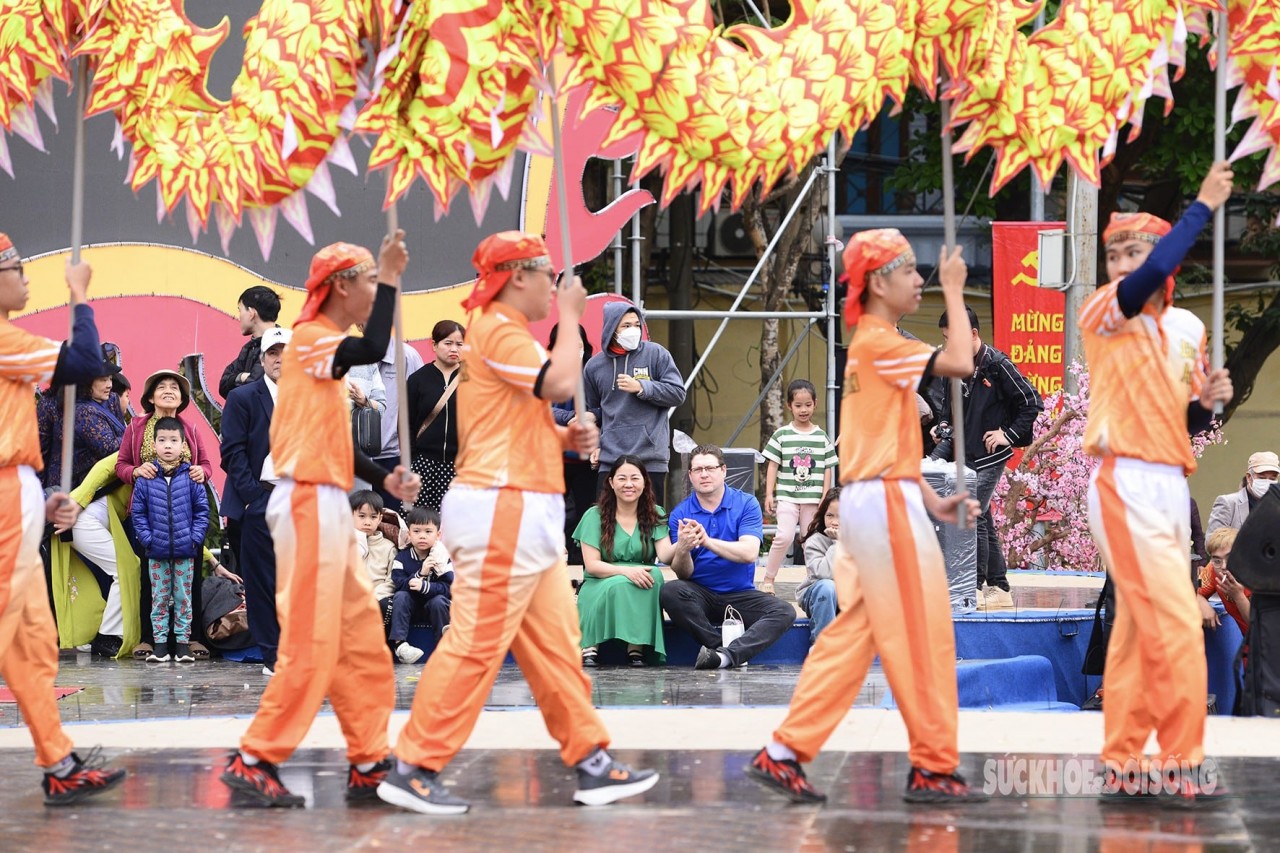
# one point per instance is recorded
(331, 640)
(1156, 677)
(891, 583)
(28, 638)
(510, 591)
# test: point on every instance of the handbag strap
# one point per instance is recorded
(449, 387)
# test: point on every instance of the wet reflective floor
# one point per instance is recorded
(173, 801)
(133, 690)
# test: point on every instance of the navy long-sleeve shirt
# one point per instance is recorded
(1138, 286)
(81, 358)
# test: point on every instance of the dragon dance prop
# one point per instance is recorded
(451, 89)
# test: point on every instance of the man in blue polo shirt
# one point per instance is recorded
(717, 532)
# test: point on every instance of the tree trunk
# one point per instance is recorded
(1251, 353)
(775, 280)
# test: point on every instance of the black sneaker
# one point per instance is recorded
(708, 658)
(420, 791)
(182, 654)
(616, 782)
(785, 776)
(105, 645)
(636, 657)
(260, 783)
(588, 660)
(87, 778)
(364, 786)
(1195, 793)
(1130, 789)
(160, 654)
(926, 787)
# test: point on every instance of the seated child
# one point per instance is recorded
(817, 595)
(423, 577)
(379, 553)
(170, 515)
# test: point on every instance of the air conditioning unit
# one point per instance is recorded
(727, 237)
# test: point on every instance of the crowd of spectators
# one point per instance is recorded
(149, 583)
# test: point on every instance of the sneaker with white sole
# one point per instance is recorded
(406, 653)
(616, 782)
(420, 791)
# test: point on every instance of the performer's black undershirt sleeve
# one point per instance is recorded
(922, 388)
(1138, 286)
(377, 335)
(1199, 418)
(368, 470)
(542, 374)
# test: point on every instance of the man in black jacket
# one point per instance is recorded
(1000, 409)
(246, 446)
(259, 307)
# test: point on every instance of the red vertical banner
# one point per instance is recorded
(1027, 319)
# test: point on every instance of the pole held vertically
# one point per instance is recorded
(77, 238)
(1219, 215)
(562, 205)
(402, 381)
(949, 238)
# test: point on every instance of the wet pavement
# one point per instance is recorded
(173, 801)
(133, 690)
(521, 799)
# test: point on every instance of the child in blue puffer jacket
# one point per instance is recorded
(170, 516)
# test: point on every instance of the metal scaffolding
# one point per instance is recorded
(828, 168)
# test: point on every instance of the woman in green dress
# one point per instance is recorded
(621, 536)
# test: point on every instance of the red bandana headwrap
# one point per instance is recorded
(329, 261)
(7, 250)
(1146, 227)
(881, 251)
(495, 259)
(1124, 227)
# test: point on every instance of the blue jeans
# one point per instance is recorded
(819, 601)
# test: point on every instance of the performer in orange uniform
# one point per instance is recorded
(1148, 387)
(28, 638)
(503, 522)
(331, 640)
(895, 601)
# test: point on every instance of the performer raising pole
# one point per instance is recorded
(891, 582)
(331, 639)
(502, 520)
(1149, 386)
(28, 638)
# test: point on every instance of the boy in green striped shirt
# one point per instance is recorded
(801, 463)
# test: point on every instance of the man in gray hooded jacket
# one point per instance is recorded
(630, 385)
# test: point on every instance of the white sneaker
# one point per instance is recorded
(995, 598)
(408, 654)
(268, 671)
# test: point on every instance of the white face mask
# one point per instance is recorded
(629, 339)
(1259, 486)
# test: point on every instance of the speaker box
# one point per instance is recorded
(1255, 556)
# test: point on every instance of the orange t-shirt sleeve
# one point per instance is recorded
(902, 362)
(1101, 313)
(514, 356)
(316, 355)
(25, 357)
